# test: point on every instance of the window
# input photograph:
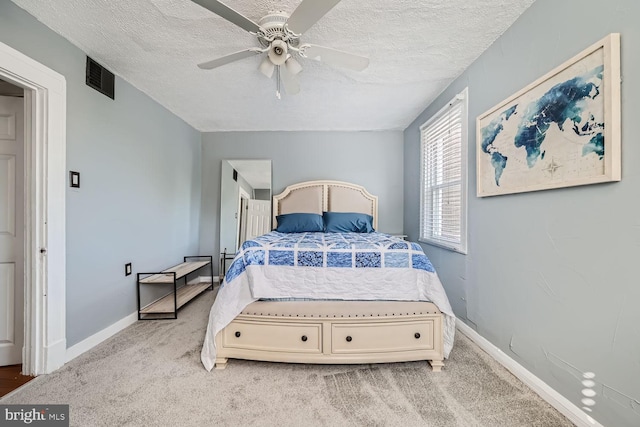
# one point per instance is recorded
(443, 178)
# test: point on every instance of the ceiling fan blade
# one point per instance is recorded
(229, 14)
(223, 60)
(289, 81)
(334, 57)
(308, 13)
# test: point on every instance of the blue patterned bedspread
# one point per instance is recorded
(341, 250)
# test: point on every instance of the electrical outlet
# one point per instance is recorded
(127, 269)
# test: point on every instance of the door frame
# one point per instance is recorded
(242, 194)
(45, 96)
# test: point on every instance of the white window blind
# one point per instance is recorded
(444, 175)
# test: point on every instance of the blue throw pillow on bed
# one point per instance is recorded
(299, 223)
(347, 222)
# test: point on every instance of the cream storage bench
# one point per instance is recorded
(334, 332)
(181, 291)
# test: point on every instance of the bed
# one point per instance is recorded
(332, 295)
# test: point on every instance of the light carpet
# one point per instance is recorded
(150, 374)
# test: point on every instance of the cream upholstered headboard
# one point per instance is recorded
(325, 196)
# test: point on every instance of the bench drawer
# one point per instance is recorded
(273, 336)
(349, 338)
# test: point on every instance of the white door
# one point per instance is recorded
(11, 230)
(258, 218)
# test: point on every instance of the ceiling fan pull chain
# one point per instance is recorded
(278, 82)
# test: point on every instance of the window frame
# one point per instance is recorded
(461, 245)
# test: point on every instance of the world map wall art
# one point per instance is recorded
(562, 130)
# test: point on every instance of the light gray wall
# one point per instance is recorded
(139, 199)
(371, 159)
(551, 276)
(262, 194)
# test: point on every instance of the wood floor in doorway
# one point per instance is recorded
(11, 378)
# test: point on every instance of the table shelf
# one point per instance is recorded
(167, 307)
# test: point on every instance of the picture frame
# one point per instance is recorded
(562, 130)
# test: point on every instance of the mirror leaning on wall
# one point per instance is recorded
(245, 205)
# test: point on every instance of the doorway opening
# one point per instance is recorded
(11, 223)
(44, 348)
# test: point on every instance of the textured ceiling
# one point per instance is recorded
(256, 172)
(416, 48)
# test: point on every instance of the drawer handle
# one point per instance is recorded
(417, 335)
(304, 338)
(238, 334)
(349, 338)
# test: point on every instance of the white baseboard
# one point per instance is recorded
(204, 279)
(109, 331)
(95, 339)
(555, 399)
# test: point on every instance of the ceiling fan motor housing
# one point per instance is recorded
(273, 28)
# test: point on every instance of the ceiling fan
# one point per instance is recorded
(279, 36)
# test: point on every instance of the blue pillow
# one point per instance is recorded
(299, 222)
(345, 222)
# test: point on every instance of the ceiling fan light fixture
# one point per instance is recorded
(267, 67)
(278, 52)
(278, 34)
(293, 66)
